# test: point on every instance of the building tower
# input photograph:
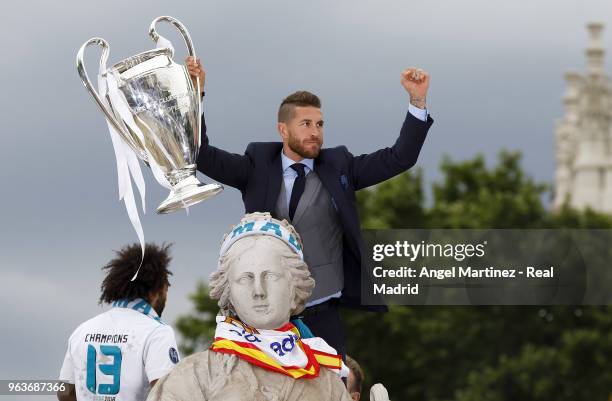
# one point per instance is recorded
(583, 139)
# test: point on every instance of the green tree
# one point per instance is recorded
(472, 196)
(198, 327)
(468, 353)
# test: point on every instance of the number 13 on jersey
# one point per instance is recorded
(110, 369)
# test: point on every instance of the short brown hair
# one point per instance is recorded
(357, 372)
(297, 99)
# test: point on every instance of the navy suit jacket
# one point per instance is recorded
(258, 175)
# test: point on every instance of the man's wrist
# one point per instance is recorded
(418, 101)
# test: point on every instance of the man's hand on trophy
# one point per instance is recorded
(416, 83)
(195, 70)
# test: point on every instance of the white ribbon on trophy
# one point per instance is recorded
(127, 161)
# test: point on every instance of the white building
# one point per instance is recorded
(583, 137)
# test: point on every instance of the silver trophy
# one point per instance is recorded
(163, 121)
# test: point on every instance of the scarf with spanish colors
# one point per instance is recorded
(281, 350)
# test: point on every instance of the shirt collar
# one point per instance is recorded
(287, 162)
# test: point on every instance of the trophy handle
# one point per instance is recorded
(155, 36)
(85, 78)
(191, 50)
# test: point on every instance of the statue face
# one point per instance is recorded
(261, 289)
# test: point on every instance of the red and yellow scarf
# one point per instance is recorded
(281, 350)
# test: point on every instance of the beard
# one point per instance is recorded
(159, 305)
(298, 147)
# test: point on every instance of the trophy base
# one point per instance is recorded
(186, 193)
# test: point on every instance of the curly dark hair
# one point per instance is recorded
(153, 275)
(296, 99)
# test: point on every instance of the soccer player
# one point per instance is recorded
(121, 353)
(313, 188)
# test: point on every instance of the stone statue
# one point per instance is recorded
(257, 354)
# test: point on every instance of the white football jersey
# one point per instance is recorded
(115, 355)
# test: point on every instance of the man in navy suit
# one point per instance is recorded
(314, 188)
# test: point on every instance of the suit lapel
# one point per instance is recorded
(275, 177)
(347, 211)
(329, 179)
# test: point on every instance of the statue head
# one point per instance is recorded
(261, 278)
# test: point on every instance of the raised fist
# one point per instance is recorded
(416, 83)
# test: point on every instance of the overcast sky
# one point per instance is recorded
(496, 82)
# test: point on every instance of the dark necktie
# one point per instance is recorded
(298, 188)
